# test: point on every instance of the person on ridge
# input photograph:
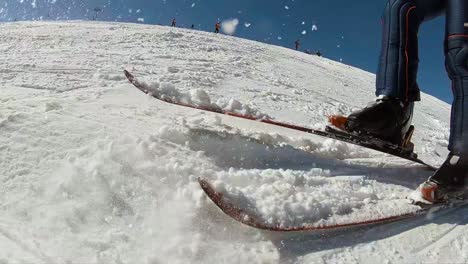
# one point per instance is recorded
(217, 27)
(389, 117)
(173, 22)
(297, 44)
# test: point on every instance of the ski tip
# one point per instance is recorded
(210, 191)
(128, 75)
(338, 121)
(204, 183)
(228, 207)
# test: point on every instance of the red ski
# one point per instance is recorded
(248, 217)
(367, 142)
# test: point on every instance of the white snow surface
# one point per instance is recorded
(94, 171)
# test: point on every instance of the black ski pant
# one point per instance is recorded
(398, 63)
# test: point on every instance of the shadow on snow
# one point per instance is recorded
(242, 152)
(293, 246)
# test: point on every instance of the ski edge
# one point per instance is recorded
(241, 216)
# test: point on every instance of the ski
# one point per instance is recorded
(371, 143)
(248, 217)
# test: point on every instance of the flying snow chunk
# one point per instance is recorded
(33, 3)
(304, 32)
(138, 11)
(246, 24)
(229, 26)
(314, 28)
(303, 22)
(140, 19)
(280, 38)
(193, 5)
(286, 7)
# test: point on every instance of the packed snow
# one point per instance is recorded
(95, 171)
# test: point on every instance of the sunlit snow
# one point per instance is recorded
(94, 171)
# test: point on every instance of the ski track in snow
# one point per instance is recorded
(94, 171)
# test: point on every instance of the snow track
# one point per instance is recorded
(94, 171)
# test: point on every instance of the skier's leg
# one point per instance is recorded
(398, 63)
(456, 62)
(389, 118)
(449, 180)
(456, 49)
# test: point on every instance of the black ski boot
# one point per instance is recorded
(448, 182)
(387, 119)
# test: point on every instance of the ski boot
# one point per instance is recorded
(446, 184)
(387, 119)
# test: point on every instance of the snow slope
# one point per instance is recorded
(94, 171)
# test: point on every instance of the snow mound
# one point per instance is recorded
(199, 97)
(312, 199)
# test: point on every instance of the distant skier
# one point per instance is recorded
(389, 117)
(173, 22)
(193, 26)
(318, 53)
(217, 27)
(297, 44)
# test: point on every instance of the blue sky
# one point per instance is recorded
(347, 30)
